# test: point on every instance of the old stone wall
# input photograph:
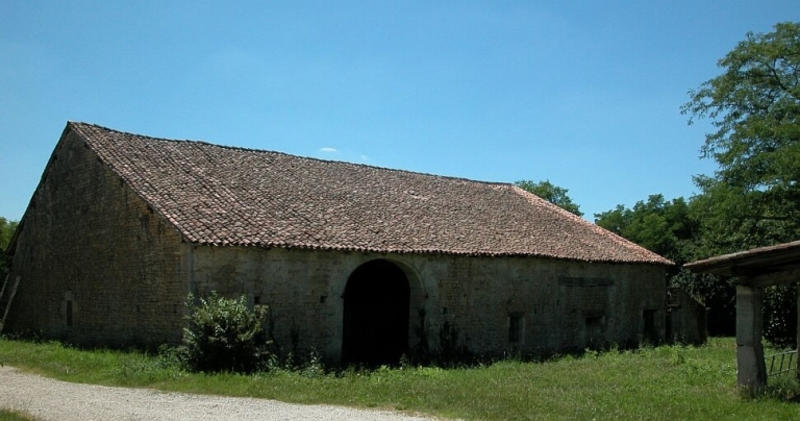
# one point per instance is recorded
(494, 305)
(559, 305)
(97, 266)
(686, 318)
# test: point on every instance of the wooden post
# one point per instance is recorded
(3, 288)
(8, 303)
(751, 369)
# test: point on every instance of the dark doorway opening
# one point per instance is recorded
(375, 314)
(650, 333)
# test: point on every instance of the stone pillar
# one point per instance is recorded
(751, 370)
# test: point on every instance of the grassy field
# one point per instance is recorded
(667, 382)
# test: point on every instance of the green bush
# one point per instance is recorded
(225, 334)
(780, 315)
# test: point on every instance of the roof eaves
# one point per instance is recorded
(660, 262)
(538, 201)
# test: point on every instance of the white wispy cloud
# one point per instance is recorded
(364, 158)
(328, 149)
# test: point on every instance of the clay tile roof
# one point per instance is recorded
(218, 195)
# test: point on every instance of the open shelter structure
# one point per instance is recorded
(753, 270)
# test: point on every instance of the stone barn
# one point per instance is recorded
(356, 262)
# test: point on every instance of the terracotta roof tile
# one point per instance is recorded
(233, 196)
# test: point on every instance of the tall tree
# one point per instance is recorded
(754, 197)
(552, 193)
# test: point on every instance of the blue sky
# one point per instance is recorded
(585, 94)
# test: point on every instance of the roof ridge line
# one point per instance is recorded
(268, 151)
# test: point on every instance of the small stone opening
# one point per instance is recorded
(69, 313)
(594, 329)
(514, 328)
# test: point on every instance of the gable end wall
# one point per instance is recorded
(90, 244)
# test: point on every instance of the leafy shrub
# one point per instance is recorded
(225, 334)
(780, 315)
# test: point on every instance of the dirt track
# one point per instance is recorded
(49, 399)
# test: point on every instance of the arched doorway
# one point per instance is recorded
(375, 314)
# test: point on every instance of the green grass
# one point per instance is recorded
(9, 415)
(668, 382)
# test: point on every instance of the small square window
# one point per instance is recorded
(594, 322)
(515, 327)
(69, 313)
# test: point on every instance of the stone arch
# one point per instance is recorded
(377, 303)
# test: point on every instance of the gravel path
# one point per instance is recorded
(49, 399)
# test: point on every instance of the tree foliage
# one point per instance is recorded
(552, 193)
(754, 197)
(7, 229)
(662, 226)
(671, 228)
(780, 315)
